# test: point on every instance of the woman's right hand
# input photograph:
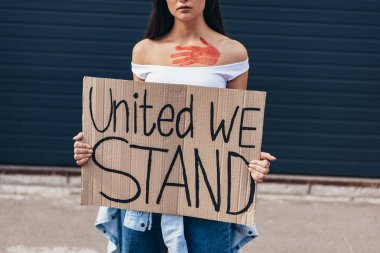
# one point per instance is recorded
(82, 150)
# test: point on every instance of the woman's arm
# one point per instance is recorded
(139, 55)
(239, 82)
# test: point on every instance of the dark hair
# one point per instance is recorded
(161, 20)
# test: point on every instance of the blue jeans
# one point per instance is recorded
(202, 236)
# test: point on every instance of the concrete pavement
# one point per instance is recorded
(40, 214)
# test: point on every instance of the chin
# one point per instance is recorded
(186, 17)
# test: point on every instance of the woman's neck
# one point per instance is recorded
(186, 32)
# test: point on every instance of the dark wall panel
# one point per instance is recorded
(319, 61)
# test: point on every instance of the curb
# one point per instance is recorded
(349, 189)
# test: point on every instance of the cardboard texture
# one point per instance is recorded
(171, 148)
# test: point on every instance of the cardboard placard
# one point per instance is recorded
(171, 148)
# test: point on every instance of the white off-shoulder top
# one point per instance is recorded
(209, 76)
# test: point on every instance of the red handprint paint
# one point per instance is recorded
(207, 55)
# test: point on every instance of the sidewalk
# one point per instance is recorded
(41, 214)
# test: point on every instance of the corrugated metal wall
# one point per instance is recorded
(319, 61)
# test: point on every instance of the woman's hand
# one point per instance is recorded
(82, 150)
(260, 168)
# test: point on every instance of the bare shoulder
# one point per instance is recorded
(141, 50)
(232, 51)
(238, 50)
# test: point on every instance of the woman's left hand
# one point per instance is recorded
(260, 168)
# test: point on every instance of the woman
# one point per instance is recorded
(185, 43)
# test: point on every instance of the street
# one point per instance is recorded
(42, 219)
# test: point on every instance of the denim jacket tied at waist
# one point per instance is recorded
(109, 220)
